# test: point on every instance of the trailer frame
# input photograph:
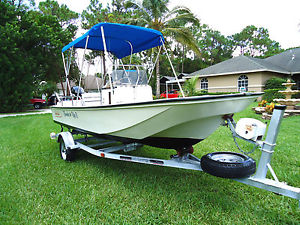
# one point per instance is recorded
(107, 149)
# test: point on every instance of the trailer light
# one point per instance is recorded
(102, 155)
(53, 135)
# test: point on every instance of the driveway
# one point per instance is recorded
(41, 111)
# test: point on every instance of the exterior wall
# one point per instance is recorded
(229, 83)
(268, 75)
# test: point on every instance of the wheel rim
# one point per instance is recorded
(228, 158)
(63, 150)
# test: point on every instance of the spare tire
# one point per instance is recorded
(228, 164)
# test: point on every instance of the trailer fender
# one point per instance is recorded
(68, 140)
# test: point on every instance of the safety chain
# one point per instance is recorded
(241, 150)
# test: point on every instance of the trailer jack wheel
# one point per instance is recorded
(66, 154)
(228, 164)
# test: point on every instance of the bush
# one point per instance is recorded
(272, 94)
(47, 88)
(275, 83)
(189, 87)
(296, 95)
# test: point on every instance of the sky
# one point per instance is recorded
(281, 18)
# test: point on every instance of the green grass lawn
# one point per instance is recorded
(37, 187)
(29, 111)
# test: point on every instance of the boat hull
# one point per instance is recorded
(174, 123)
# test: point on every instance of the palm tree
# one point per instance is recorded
(190, 87)
(156, 15)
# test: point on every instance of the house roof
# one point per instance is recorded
(289, 60)
(237, 65)
(168, 78)
(286, 63)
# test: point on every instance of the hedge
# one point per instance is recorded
(272, 94)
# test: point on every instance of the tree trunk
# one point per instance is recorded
(62, 86)
(183, 57)
(157, 79)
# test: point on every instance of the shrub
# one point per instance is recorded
(272, 94)
(218, 93)
(296, 95)
(275, 83)
(189, 87)
(47, 88)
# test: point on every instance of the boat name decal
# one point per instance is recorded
(70, 114)
(57, 114)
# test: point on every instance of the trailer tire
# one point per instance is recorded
(66, 153)
(228, 164)
(37, 105)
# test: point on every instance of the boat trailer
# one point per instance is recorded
(107, 149)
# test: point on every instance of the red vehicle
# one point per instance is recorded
(171, 94)
(38, 103)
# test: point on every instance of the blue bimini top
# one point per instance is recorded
(121, 39)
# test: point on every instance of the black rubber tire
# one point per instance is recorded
(219, 164)
(66, 154)
(37, 105)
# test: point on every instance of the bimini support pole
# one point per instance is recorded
(131, 51)
(105, 53)
(174, 71)
(85, 47)
(152, 69)
(270, 142)
(65, 68)
(68, 71)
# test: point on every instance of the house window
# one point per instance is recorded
(243, 83)
(204, 84)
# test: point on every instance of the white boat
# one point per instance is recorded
(124, 108)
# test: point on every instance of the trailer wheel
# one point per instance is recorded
(37, 105)
(66, 154)
(228, 164)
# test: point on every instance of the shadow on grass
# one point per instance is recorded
(192, 192)
(39, 187)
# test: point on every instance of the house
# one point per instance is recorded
(171, 82)
(89, 83)
(248, 73)
(63, 90)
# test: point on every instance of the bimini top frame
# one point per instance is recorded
(121, 40)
